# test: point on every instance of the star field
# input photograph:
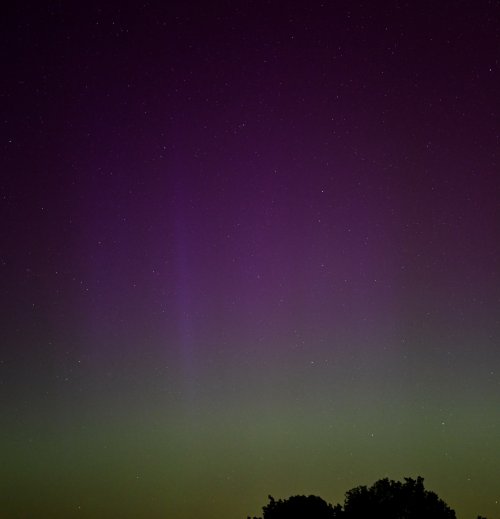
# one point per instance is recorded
(248, 248)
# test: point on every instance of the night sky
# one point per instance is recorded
(247, 248)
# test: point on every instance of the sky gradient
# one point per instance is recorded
(248, 248)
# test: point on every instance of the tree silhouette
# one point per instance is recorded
(300, 507)
(395, 500)
(385, 499)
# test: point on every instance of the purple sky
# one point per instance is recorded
(248, 248)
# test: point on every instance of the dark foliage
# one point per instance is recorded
(385, 499)
(389, 499)
(300, 507)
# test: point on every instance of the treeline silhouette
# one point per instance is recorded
(385, 499)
